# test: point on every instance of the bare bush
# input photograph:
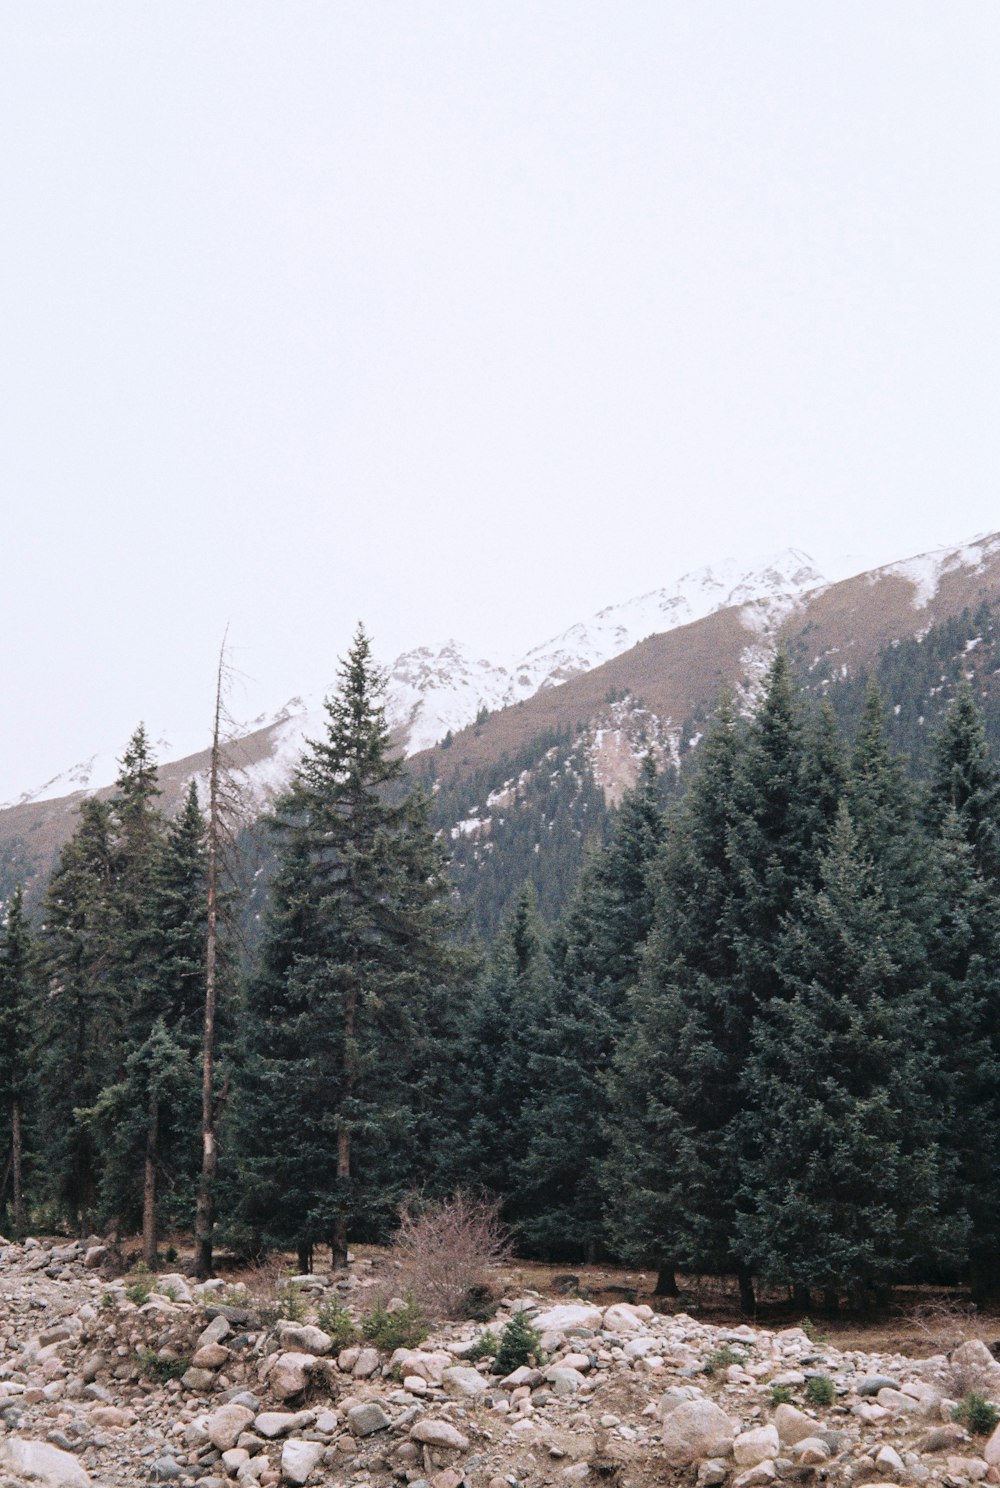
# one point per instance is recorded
(953, 1329)
(444, 1254)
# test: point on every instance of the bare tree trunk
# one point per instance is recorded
(338, 1241)
(204, 1223)
(20, 1217)
(666, 1280)
(149, 1185)
(748, 1302)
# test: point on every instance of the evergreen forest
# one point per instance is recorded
(752, 1030)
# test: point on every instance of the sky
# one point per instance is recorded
(466, 320)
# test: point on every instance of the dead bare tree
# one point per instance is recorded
(226, 811)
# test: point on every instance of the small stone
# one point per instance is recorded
(272, 1424)
(713, 1471)
(366, 1418)
(757, 1476)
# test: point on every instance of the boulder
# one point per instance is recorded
(568, 1315)
(564, 1381)
(463, 1382)
(271, 1424)
(759, 1445)
(304, 1338)
(212, 1356)
(793, 1425)
(695, 1430)
(810, 1451)
(299, 1458)
(623, 1318)
(43, 1462)
(433, 1433)
(289, 1374)
(218, 1329)
(366, 1364)
(367, 1418)
(226, 1425)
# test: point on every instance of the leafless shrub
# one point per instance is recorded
(953, 1329)
(445, 1254)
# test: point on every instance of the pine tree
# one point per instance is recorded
(844, 1181)
(355, 956)
(17, 1061)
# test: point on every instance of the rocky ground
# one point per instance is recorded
(202, 1385)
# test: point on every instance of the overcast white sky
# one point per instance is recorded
(466, 319)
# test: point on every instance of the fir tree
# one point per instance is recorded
(355, 957)
(844, 1184)
(965, 779)
(17, 1046)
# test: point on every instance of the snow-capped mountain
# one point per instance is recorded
(434, 690)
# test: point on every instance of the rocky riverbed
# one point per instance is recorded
(201, 1387)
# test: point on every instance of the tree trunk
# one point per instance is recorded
(305, 1255)
(204, 1221)
(800, 1298)
(149, 1185)
(748, 1302)
(20, 1217)
(666, 1281)
(338, 1241)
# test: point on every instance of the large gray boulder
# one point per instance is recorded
(43, 1462)
(696, 1430)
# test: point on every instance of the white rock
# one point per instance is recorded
(623, 1318)
(304, 1338)
(299, 1458)
(568, 1315)
(896, 1402)
(272, 1424)
(811, 1451)
(226, 1425)
(974, 1469)
(366, 1364)
(40, 1460)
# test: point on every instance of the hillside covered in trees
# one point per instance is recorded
(756, 1032)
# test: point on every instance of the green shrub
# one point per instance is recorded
(288, 1300)
(404, 1328)
(520, 1343)
(335, 1320)
(977, 1414)
(721, 1358)
(485, 1347)
(169, 1291)
(781, 1395)
(820, 1391)
(138, 1292)
(160, 1370)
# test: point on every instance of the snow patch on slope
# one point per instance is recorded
(926, 570)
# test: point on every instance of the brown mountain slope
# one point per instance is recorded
(671, 678)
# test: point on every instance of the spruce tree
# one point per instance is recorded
(844, 1181)
(355, 957)
(78, 1014)
(494, 1077)
(602, 938)
(965, 779)
(17, 1047)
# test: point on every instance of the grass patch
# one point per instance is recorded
(403, 1328)
(721, 1358)
(335, 1320)
(160, 1370)
(820, 1391)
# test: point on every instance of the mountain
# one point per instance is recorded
(521, 757)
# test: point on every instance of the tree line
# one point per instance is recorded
(762, 1040)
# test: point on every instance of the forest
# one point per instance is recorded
(761, 1039)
